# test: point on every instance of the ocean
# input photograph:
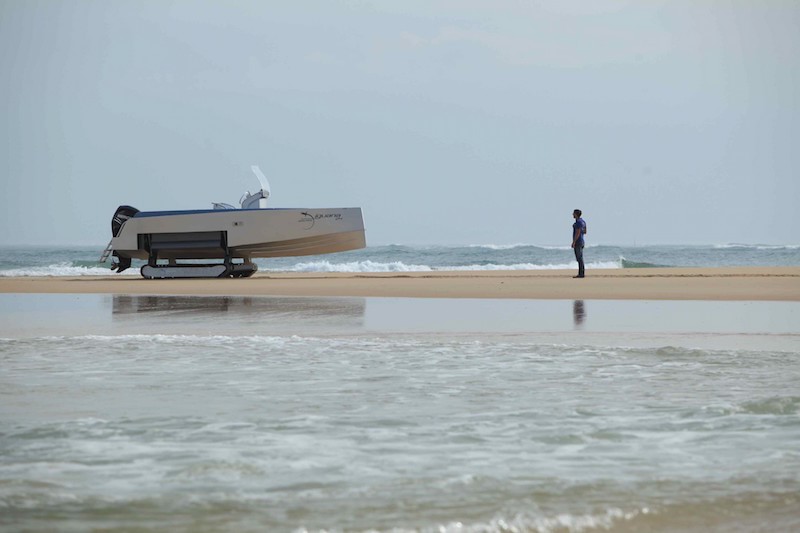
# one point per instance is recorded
(82, 260)
(176, 413)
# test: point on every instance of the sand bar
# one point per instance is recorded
(733, 283)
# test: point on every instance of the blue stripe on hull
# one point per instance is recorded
(145, 214)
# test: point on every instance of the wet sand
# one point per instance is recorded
(738, 283)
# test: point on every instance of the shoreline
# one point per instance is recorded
(723, 283)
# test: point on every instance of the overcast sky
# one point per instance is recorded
(448, 122)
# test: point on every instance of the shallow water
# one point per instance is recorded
(281, 414)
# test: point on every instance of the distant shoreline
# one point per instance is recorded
(724, 283)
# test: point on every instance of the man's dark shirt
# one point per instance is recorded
(579, 223)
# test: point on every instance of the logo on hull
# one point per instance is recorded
(310, 218)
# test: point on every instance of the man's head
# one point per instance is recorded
(577, 213)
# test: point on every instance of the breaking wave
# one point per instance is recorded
(625, 263)
(738, 246)
(82, 261)
(523, 245)
(399, 266)
(70, 270)
(65, 269)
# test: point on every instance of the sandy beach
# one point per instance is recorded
(733, 283)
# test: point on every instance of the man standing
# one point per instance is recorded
(578, 231)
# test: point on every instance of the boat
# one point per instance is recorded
(172, 242)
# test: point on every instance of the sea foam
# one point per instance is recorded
(61, 270)
(399, 266)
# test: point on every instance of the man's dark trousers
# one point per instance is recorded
(579, 258)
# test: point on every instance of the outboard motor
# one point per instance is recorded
(123, 213)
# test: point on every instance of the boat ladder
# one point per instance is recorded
(106, 252)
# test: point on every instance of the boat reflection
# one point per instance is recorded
(263, 312)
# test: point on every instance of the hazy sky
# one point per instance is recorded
(449, 122)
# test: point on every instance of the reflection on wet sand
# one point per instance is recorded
(37, 315)
(578, 313)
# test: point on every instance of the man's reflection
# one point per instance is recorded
(578, 313)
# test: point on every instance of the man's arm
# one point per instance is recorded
(576, 236)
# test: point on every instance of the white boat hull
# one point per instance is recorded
(239, 233)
